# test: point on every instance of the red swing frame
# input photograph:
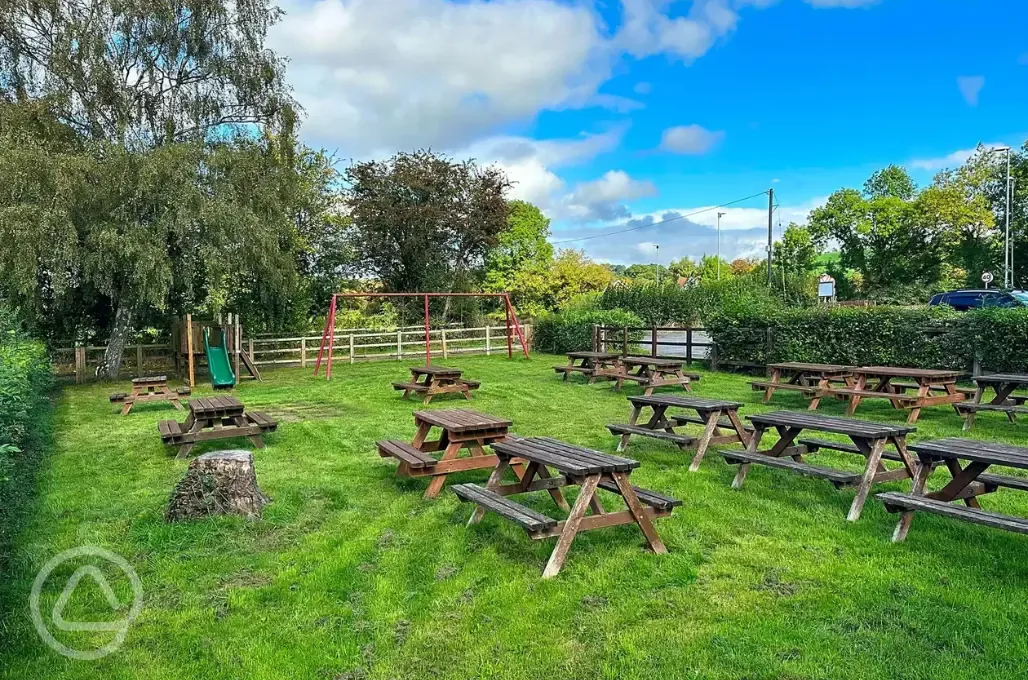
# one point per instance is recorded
(328, 336)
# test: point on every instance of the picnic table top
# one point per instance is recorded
(435, 370)
(813, 368)
(207, 406)
(462, 420)
(593, 355)
(653, 361)
(698, 403)
(150, 379)
(899, 372)
(567, 458)
(1002, 378)
(976, 451)
(847, 426)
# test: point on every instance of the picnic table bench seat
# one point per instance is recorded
(683, 439)
(413, 457)
(588, 370)
(529, 519)
(655, 500)
(905, 502)
(262, 420)
(761, 385)
(1010, 407)
(118, 396)
(170, 430)
(683, 419)
(839, 478)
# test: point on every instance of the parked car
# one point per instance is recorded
(963, 300)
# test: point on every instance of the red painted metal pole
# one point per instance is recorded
(517, 326)
(331, 338)
(324, 337)
(428, 342)
(510, 347)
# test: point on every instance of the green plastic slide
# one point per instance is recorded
(220, 367)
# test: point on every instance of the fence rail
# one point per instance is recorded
(663, 342)
(351, 345)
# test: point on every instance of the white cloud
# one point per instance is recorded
(646, 88)
(646, 30)
(951, 160)
(970, 88)
(690, 139)
(603, 199)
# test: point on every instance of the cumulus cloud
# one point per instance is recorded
(690, 139)
(970, 88)
(646, 88)
(603, 199)
(951, 160)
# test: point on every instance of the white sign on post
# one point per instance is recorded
(825, 286)
(987, 278)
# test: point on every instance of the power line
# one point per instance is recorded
(654, 224)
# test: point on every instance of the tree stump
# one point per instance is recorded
(218, 483)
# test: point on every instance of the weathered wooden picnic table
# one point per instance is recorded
(869, 440)
(875, 382)
(460, 429)
(574, 466)
(719, 420)
(149, 389)
(1003, 401)
(595, 365)
(652, 372)
(213, 418)
(967, 483)
(432, 380)
(810, 379)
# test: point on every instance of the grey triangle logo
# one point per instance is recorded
(69, 589)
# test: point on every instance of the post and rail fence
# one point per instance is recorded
(663, 342)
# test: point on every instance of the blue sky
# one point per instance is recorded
(610, 114)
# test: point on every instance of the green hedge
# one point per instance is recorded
(921, 337)
(669, 304)
(572, 331)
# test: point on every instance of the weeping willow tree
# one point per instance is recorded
(132, 167)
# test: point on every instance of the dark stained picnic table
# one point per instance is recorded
(810, 379)
(1003, 401)
(429, 381)
(869, 440)
(875, 382)
(718, 418)
(968, 483)
(212, 418)
(460, 429)
(574, 466)
(595, 365)
(150, 389)
(654, 372)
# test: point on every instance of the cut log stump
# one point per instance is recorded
(218, 483)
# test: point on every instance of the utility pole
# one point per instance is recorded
(1009, 245)
(719, 216)
(770, 231)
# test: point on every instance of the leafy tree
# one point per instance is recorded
(742, 266)
(521, 261)
(709, 267)
(796, 253)
(574, 274)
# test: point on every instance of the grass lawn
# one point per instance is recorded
(352, 575)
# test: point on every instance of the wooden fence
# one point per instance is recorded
(351, 345)
(664, 342)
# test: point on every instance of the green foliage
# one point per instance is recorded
(672, 305)
(521, 262)
(998, 338)
(572, 331)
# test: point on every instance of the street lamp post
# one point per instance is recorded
(1008, 252)
(719, 216)
(656, 247)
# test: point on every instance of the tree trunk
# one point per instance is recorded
(110, 366)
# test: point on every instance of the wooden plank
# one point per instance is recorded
(837, 425)
(899, 502)
(526, 517)
(837, 477)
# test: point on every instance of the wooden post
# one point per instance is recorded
(428, 340)
(596, 338)
(399, 345)
(80, 363)
(488, 349)
(237, 345)
(688, 346)
(352, 356)
(624, 343)
(189, 350)
(445, 354)
(303, 352)
(139, 360)
(653, 341)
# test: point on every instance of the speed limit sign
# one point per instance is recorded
(987, 278)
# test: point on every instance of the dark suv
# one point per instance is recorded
(963, 300)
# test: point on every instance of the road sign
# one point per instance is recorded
(987, 278)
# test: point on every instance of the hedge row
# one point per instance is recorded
(919, 337)
(572, 331)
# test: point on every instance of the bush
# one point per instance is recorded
(998, 338)
(670, 305)
(572, 331)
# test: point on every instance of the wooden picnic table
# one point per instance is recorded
(869, 440)
(1003, 401)
(212, 418)
(150, 389)
(574, 466)
(875, 382)
(432, 380)
(652, 372)
(719, 420)
(595, 365)
(459, 429)
(810, 379)
(967, 483)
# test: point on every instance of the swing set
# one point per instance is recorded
(329, 335)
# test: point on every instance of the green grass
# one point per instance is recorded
(352, 575)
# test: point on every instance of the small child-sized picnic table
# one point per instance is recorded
(575, 466)
(967, 483)
(459, 429)
(810, 379)
(213, 418)
(653, 372)
(869, 440)
(875, 382)
(719, 418)
(432, 380)
(150, 389)
(592, 364)
(1002, 384)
